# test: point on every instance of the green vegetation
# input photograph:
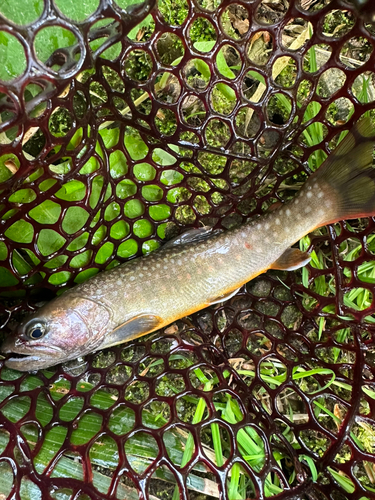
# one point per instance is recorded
(141, 449)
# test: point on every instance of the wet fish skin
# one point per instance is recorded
(151, 292)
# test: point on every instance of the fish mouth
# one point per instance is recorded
(24, 363)
(24, 358)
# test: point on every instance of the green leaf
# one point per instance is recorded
(257, 76)
(89, 424)
(135, 145)
(86, 274)
(311, 464)
(3, 251)
(163, 158)
(119, 230)
(12, 57)
(159, 212)
(110, 137)
(47, 212)
(72, 191)
(133, 209)
(223, 67)
(205, 46)
(125, 188)
(23, 196)
(170, 177)
(78, 11)
(104, 252)
(343, 480)
(127, 249)
(49, 241)
(74, 220)
(144, 172)
(20, 232)
(7, 278)
(118, 164)
(142, 228)
(51, 445)
(26, 12)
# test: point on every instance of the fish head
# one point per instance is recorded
(64, 329)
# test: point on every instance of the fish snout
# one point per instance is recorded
(8, 345)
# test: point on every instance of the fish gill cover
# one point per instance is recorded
(121, 126)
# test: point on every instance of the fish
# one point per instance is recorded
(199, 268)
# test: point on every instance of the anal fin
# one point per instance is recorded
(291, 259)
(132, 329)
(224, 297)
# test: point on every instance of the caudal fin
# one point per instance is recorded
(347, 178)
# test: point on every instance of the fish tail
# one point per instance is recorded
(344, 186)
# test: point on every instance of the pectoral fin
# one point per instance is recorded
(291, 259)
(224, 297)
(133, 328)
(192, 236)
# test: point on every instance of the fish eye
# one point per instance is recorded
(36, 331)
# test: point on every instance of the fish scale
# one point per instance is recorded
(148, 293)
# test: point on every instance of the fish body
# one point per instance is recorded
(151, 292)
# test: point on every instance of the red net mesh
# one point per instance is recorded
(118, 130)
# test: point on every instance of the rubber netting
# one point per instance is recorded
(121, 126)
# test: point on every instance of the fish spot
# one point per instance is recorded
(165, 267)
(179, 262)
(188, 276)
(288, 212)
(266, 226)
(247, 245)
(296, 201)
(309, 194)
(277, 221)
(307, 210)
(243, 234)
(132, 278)
(119, 282)
(157, 265)
(320, 194)
(140, 275)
